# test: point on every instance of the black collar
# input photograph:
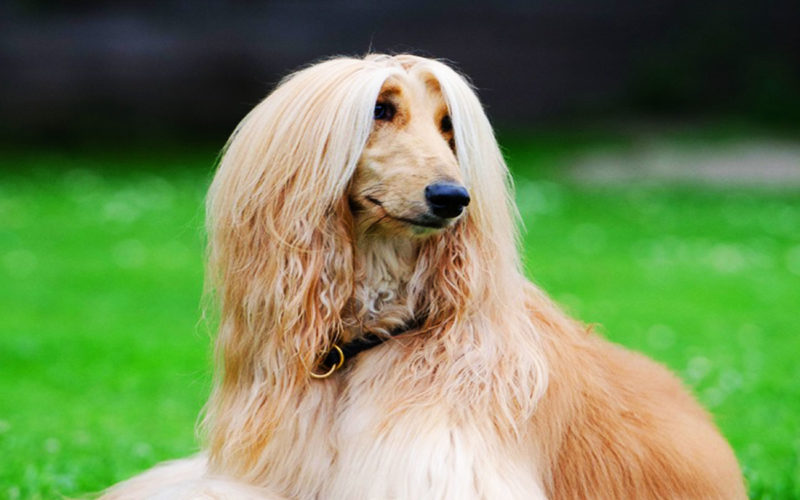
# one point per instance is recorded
(338, 354)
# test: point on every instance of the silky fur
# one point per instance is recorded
(497, 395)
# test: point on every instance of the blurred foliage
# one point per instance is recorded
(104, 360)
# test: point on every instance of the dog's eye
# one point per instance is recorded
(447, 124)
(383, 111)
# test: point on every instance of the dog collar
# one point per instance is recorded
(338, 354)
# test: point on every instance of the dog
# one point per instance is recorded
(377, 336)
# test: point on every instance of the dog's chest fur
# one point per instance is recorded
(413, 446)
(419, 450)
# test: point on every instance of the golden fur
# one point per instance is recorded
(498, 395)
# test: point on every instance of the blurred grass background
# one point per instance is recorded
(105, 358)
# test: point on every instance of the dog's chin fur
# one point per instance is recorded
(497, 395)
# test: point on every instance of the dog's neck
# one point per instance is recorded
(384, 266)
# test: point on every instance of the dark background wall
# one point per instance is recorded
(133, 70)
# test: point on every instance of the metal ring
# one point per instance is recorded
(333, 368)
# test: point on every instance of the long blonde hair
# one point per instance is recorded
(281, 252)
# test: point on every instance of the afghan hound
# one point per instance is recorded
(377, 337)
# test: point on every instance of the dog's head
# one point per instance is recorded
(394, 146)
(408, 180)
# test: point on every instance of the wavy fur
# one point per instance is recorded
(499, 395)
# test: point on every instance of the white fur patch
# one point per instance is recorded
(423, 454)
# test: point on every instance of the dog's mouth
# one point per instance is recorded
(426, 220)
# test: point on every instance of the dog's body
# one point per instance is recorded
(327, 223)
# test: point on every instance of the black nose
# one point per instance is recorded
(446, 199)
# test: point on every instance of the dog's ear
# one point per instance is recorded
(280, 253)
(281, 300)
(280, 248)
(282, 261)
(470, 266)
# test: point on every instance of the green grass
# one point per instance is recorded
(104, 361)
